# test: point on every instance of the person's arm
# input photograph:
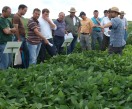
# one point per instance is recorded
(40, 35)
(52, 25)
(16, 21)
(106, 25)
(91, 27)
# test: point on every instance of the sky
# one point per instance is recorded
(56, 6)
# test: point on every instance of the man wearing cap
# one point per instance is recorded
(125, 23)
(85, 30)
(72, 25)
(97, 31)
(117, 41)
(106, 33)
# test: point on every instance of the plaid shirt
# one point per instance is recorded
(117, 33)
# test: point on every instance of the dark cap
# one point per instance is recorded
(82, 13)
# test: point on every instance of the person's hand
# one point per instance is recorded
(46, 41)
(13, 30)
(101, 27)
(47, 19)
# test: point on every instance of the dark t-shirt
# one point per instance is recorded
(5, 23)
(17, 19)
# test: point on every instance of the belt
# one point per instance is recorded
(85, 33)
(97, 31)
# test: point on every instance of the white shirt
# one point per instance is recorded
(104, 21)
(74, 20)
(45, 28)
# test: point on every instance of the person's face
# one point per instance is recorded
(96, 14)
(45, 14)
(61, 16)
(72, 14)
(7, 13)
(113, 14)
(109, 15)
(36, 14)
(105, 14)
(122, 15)
(83, 17)
(23, 11)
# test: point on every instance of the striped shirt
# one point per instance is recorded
(32, 37)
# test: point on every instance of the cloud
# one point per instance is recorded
(56, 6)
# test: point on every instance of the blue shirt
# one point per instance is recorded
(61, 26)
(117, 33)
(96, 23)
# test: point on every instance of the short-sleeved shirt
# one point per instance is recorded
(5, 23)
(61, 26)
(32, 37)
(96, 23)
(17, 19)
(72, 24)
(86, 26)
(117, 33)
(104, 21)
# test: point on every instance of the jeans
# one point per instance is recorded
(51, 50)
(97, 36)
(33, 52)
(58, 41)
(5, 58)
(71, 47)
(115, 50)
(24, 52)
(85, 41)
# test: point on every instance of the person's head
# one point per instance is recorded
(105, 13)
(61, 16)
(108, 13)
(22, 9)
(82, 15)
(45, 12)
(96, 13)
(72, 12)
(122, 13)
(6, 11)
(114, 12)
(36, 13)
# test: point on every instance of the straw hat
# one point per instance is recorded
(72, 10)
(115, 9)
(122, 13)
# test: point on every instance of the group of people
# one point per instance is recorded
(47, 35)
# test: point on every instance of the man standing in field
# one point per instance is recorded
(59, 32)
(34, 37)
(72, 25)
(125, 23)
(6, 33)
(117, 41)
(97, 31)
(46, 26)
(106, 31)
(21, 33)
(86, 29)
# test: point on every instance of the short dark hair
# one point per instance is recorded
(5, 8)
(36, 9)
(96, 11)
(22, 6)
(105, 11)
(45, 10)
